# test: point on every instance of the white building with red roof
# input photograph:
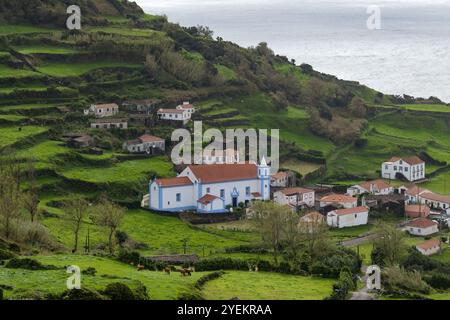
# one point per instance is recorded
(337, 200)
(422, 227)
(429, 247)
(295, 197)
(180, 115)
(211, 188)
(189, 107)
(376, 187)
(412, 168)
(350, 217)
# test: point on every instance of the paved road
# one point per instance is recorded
(357, 241)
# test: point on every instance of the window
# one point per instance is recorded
(247, 191)
(178, 197)
(395, 167)
(406, 169)
(386, 167)
(222, 193)
(208, 190)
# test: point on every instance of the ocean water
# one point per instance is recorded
(410, 54)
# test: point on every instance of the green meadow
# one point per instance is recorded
(11, 135)
(60, 69)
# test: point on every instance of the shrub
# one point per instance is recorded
(82, 294)
(221, 264)
(1, 294)
(204, 279)
(119, 291)
(6, 255)
(27, 263)
(438, 280)
(396, 279)
(89, 271)
(330, 265)
(190, 294)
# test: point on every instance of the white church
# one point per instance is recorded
(211, 188)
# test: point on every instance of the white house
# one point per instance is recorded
(422, 227)
(351, 217)
(145, 143)
(413, 193)
(187, 107)
(102, 110)
(436, 201)
(412, 168)
(343, 200)
(429, 247)
(280, 179)
(227, 156)
(211, 188)
(295, 197)
(109, 124)
(376, 187)
(181, 115)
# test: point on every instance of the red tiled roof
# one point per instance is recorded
(415, 190)
(224, 172)
(207, 199)
(435, 197)
(172, 182)
(410, 160)
(338, 198)
(149, 138)
(421, 223)
(279, 175)
(342, 212)
(380, 184)
(292, 191)
(433, 243)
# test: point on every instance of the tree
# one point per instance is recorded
(389, 244)
(108, 215)
(75, 212)
(31, 197)
(271, 219)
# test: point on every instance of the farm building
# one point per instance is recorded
(227, 156)
(376, 187)
(390, 203)
(311, 222)
(145, 143)
(79, 140)
(295, 197)
(422, 227)
(429, 247)
(179, 115)
(283, 179)
(211, 188)
(141, 106)
(412, 168)
(102, 110)
(338, 200)
(417, 211)
(109, 124)
(413, 193)
(351, 217)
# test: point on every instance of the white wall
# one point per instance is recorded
(347, 220)
(423, 231)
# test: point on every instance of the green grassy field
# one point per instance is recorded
(31, 49)
(25, 107)
(425, 107)
(267, 286)
(59, 69)
(159, 285)
(136, 170)
(11, 135)
(22, 29)
(8, 72)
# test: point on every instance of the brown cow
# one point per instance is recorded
(140, 267)
(167, 270)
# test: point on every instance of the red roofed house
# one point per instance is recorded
(343, 200)
(211, 188)
(436, 201)
(282, 179)
(187, 106)
(429, 247)
(422, 227)
(351, 217)
(376, 187)
(102, 110)
(295, 197)
(412, 168)
(145, 143)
